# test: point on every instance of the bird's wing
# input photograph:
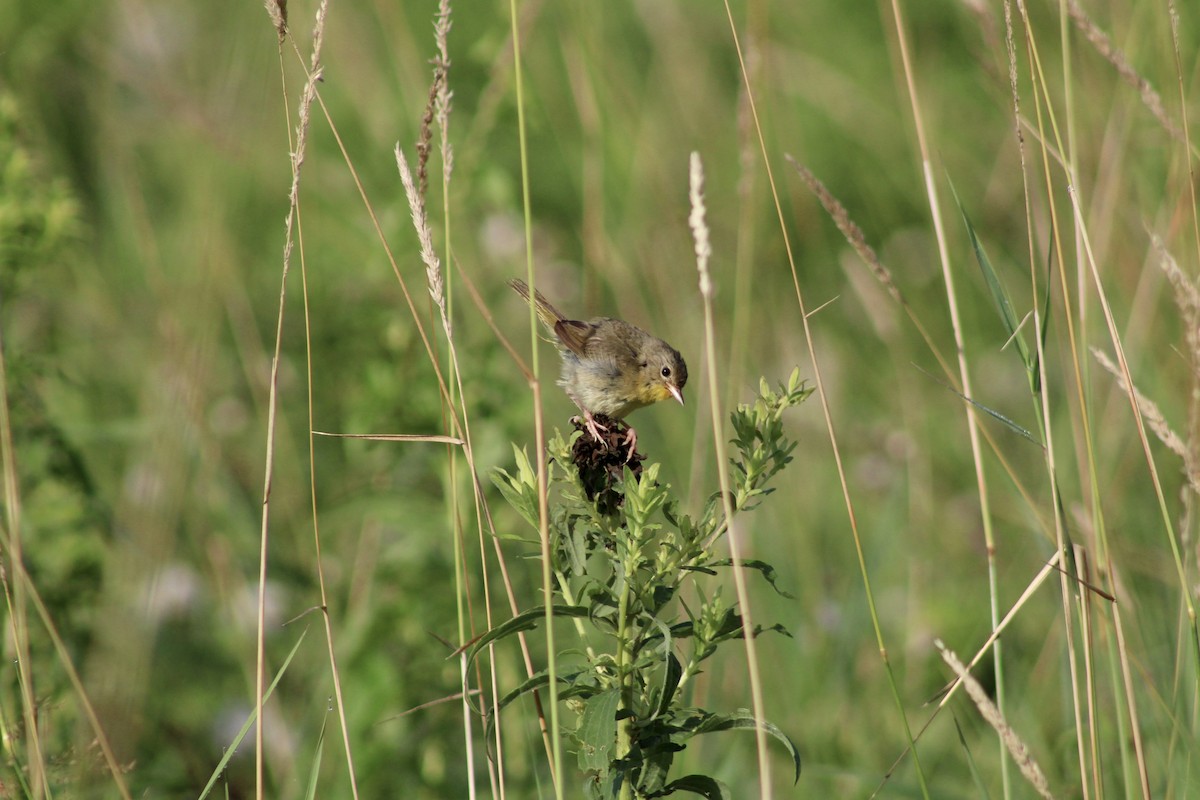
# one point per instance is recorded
(574, 334)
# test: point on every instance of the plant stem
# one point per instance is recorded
(624, 727)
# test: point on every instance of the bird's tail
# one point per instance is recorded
(548, 314)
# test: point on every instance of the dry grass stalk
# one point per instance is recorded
(1017, 748)
(433, 264)
(1113, 55)
(698, 223)
(426, 134)
(305, 118)
(441, 107)
(1187, 297)
(1155, 419)
(277, 11)
(1013, 83)
(849, 229)
(1148, 408)
(319, 35)
(437, 106)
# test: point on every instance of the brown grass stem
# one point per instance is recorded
(298, 150)
(988, 644)
(1139, 423)
(826, 411)
(1043, 109)
(991, 713)
(18, 622)
(698, 223)
(14, 594)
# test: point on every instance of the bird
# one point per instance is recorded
(609, 366)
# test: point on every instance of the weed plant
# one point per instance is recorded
(624, 558)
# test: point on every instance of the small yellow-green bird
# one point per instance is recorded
(609, 366)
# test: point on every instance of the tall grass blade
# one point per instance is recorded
(999, 295)
(237, 740)
(310, 792)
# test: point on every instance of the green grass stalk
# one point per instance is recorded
(981, 479)
(539, 425)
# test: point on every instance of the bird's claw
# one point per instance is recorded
(593, 427)
(596, 429)
(631, 440)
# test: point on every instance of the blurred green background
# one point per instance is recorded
(144, 171)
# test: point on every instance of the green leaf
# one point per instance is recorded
(980, 783)
(671, 678)
(730, 627)
(526, 621)
(996, 289)
(996, 415)
(237, 740)
(310, 792)
(740, 720)
(520, 491)
(1044, 320)
(597, 732)
(702, 785)
(767, 571)
(656, 766)
(571, 686)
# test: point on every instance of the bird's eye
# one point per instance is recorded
(666, 372)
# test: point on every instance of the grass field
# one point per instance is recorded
(972, 226)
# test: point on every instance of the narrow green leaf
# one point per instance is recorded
(765, 569)
(571, 686)
(526, 621)
(671, 678)
(310, 792)
(980, 784)
(743, 719)
(702, 785)
(996, 415)
(1044, 320)
(237, 740)
(995, 287)
(520, 490)
(656, 766)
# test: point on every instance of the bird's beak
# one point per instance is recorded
(674, 390)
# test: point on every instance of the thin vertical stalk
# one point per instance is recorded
(819, 380)
(624, 678)
(981, 481)
(703, 251)
(15, 594)
(1043, 108)
(539, 427)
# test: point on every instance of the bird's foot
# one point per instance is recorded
(593, 427)
(631, 441)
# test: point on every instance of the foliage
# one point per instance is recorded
(622, 568)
